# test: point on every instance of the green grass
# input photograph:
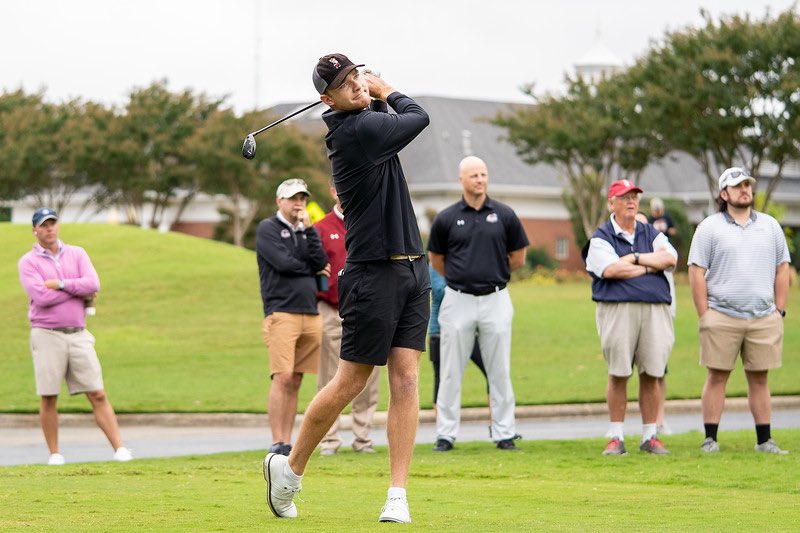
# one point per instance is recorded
(546, 486)
(179, 329)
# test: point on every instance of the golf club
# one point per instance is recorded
(249, 145)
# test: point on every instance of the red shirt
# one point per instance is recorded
(331, 232)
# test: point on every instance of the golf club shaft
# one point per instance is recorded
(287, 117)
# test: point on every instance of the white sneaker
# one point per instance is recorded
(56, 459)
(123, 454)
(395, 510)
(280, 494)
(770, 447)
(709, 445)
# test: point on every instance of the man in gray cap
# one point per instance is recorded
(384, 288)
(289, 255)
(739, 274)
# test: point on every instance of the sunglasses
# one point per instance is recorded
(735, 174)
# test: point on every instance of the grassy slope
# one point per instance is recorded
(178, 329)
(546, 486)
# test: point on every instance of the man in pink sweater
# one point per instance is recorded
(58, 279)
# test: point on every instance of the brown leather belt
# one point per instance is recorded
(404, 257)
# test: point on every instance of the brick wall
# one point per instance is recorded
(545, 233)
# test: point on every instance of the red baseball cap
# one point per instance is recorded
(621, 188)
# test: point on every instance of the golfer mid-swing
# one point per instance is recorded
(384, 287)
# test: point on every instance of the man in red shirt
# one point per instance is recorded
(331, 230)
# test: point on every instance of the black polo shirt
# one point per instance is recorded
(363, 147)
(476, 244)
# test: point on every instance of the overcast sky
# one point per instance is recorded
(485, 49)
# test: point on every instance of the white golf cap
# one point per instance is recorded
(734, 176)
(290, 187)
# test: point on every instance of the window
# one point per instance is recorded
(562, 249)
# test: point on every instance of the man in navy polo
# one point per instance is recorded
(475, 244)
(626, 260)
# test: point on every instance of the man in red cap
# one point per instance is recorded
(626, 260)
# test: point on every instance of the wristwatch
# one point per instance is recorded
(61, 285)
(781, 311)
(635, 258)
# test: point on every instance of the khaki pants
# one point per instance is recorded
(365, 403)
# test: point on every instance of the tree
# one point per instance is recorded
(48, 151)
(593, 134)
(149, 141)
(249, 186)
(728, 94)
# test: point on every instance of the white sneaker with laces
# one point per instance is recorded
(395, 510)
(56, 459)
(709, 445)
(123, 454)
(280, 493)
(770, 447)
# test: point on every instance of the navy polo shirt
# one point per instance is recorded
(476, 243)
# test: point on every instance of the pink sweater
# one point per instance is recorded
(50, 308)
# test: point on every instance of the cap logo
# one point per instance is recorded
(626, 183)
(333, 61)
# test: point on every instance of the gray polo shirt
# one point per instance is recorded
(740, 262)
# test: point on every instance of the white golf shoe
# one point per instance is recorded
(56, 459)
(123, 455)
(280, 492)
(395, 510)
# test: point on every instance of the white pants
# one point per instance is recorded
(461, 316)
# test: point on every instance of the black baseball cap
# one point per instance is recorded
(331, 70)
(42, 214)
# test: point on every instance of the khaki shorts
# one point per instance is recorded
(293, 341)
(723, 337)
(71, 356)
(633, 332)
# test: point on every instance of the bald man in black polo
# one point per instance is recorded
(475, 244)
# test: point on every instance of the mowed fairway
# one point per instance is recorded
(179, 329)
(546, 486)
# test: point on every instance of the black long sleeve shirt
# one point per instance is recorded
(363, 147)
(287, 263)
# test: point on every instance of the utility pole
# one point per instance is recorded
(257, 55)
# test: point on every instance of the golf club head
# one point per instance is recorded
(249, 147)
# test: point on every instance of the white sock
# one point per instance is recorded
(649, 431)
(617, 430)
(290, 475)
(397, 492)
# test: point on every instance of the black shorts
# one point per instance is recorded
(383, 305)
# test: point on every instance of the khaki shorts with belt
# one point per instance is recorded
(634, 332)
(293, 341)
(723, 337)
(65, 353)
